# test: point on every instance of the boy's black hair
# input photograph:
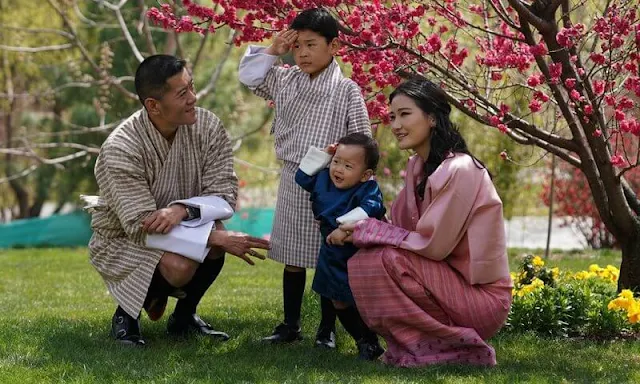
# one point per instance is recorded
(152, 74)
(369, 144)
(318, 20)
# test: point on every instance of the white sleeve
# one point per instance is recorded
(314, 161)
(254, 66)
(190, 242)
(356, 214)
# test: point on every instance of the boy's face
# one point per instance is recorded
(348, 166)
(312, 53)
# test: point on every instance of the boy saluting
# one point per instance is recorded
(315, 105)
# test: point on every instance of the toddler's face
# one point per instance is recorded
(312, 53)
(348, 166)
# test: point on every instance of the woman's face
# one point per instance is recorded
(411, 126)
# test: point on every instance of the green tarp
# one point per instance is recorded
(73, 229)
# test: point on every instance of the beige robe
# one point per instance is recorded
(138, 171)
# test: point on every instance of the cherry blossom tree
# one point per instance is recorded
(574, 64)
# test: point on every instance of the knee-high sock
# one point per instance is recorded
(328, 313)
(205, 275)
(293, 290)
(352, 323)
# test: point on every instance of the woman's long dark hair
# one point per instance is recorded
(445, 137)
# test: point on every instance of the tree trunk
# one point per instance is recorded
(630, 266)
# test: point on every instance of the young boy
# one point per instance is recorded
(340, 194)
(314, 105)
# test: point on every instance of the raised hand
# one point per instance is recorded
(282, 42)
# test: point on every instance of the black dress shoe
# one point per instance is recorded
(184, 325)
(326, 338)
(369, 349)
(284, 334)
(125, 329)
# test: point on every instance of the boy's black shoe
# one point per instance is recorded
(284, 334)
(326, 338)
(369, 350)
(184, 325)
(125, 329)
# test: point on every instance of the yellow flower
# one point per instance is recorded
(626, 294)
(537, 261)
(633, 312)
(594, 268)
(555, 272)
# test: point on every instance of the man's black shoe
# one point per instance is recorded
(326, 338)
(284, 334)
(369, 349)
(125, 329)
(184, 325)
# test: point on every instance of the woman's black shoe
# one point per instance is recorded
(184, 325)
(125, 329)
(326, 338)
(369, 350)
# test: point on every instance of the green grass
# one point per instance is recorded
(55, 313)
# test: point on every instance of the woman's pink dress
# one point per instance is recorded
(435, 283)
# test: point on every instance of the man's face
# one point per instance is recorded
(312, 53)
(177, 105)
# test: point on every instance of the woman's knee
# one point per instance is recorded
(176, 269)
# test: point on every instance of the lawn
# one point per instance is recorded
(55, 314)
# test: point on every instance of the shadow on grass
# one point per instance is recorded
(80, 350)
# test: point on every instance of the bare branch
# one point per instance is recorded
(47, 48)
(37, 30)
(218, 71)
(19, 175)
(526, 15)
(144, 23)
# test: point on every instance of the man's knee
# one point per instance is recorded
(176, 269)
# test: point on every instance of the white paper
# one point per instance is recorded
(189, 242)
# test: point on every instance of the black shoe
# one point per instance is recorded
(369, 350)
(125, 329)
(184, 325)
(284, 334)
(326, 338)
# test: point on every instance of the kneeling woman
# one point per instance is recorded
(434, 283)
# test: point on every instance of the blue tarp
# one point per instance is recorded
(74, 229)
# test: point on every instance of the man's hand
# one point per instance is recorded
(238, 244)
(337, 237)
(163, 220)
(282, 42)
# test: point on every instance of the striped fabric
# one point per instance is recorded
(307, 113)
(425, 310)
(139, 171)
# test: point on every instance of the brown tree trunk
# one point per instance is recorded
(630, 266)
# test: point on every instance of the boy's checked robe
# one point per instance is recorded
(138, 172)
(308, 112)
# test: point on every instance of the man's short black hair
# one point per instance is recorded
(318, 20)
(152, 74)
(369, 144)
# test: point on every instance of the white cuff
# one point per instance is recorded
(255, 65)
(314, 161)
(355, 214)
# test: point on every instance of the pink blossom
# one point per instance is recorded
(570, 83)
(386, 171)
(597, 133)
(617, 161)
(502, 128)
(504, 155)
(535, 105)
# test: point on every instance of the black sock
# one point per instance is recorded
(328, 313)
(158, 287)
(352, 323)
(205, 275)
(122, 312)
(293, 290)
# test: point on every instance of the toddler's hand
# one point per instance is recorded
(282, 42)
(331, 149)
(337, 237)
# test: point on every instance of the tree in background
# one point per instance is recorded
(66, 81)
(567, 61)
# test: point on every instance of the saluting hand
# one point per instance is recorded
(282, 42)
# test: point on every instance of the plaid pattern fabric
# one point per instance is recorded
(308, 113)
(425, 310)
(139, 171)
(295, 238)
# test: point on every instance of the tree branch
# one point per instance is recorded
(47, 48)
(218, 71)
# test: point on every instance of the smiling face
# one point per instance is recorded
(177, 104)
(348, 166)
(411, 125)
(312, 53)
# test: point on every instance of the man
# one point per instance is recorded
(167, 151)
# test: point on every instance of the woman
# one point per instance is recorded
(435, 282)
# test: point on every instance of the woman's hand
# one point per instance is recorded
(282, 42)
(163, 220)
(348, 228)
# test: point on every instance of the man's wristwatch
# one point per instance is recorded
(192, 213)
